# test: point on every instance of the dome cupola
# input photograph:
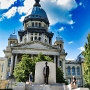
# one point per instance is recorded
(59, 38)
(12, 36)
(37, 14)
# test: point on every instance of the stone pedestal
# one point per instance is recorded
(46, 87)
(39, 77)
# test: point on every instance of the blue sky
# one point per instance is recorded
(71, 18)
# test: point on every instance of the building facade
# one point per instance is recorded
(1, 67)
(35, 38)
(73, 68)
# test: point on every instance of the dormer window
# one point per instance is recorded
(36, 15)
(35, 33)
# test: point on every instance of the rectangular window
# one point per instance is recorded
(2, 68)
(8, 74)
(9, 62)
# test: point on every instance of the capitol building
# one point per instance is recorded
(35, 39)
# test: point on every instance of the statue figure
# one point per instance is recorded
(73, 83)
(46, 73)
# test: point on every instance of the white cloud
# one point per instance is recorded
(61, 29)
(22, 18)
(27, 7)
(0, 19)
(70, 42)
(10, 13)
(5, 4)
(81, 49)
(71, 22)
(57, 10)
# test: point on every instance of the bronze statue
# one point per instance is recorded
(46, 73)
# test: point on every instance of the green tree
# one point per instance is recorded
(27, 64)
(59, 76)
(22, 69)
(86, 54)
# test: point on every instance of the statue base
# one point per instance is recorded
(45, 87)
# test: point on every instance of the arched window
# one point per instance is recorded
(31, 38)
(60, 63)
(32, 24)
(78, 70)
(36, 24)
(35, 38)
(39, 24)
(39, 38)
(73, 70)
(68, 70)
(45, 40)
(60, 45)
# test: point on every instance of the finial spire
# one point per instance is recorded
(58, 32)
(14, 31)
(37, 3)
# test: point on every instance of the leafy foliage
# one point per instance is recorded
(86, 54)
(27, 65)
(22, 69)
(59, 76)
(87, 86)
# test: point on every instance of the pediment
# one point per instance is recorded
(37, 45)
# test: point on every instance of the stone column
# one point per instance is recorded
(16, 59)
(71, 70)
(5, 69)
(33, 36)
(58, 62)
(18, 39)
(64, 68)
(11, 68)
(55, 59)
(32, 56)
(27, 37)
